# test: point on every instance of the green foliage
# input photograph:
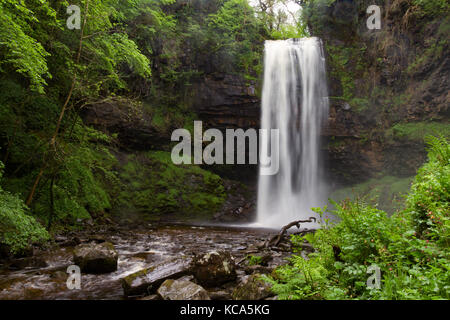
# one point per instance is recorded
(35, 42)
(386, 193)
(432, 7)
(289, 32)
(431, 54)
(234, 33)
(18, 230)
(78, 191)
(417, 131)
(278, 21)
(254, 260)
(438, 149)
(18, 49)
(347, 63)
(81, 165)
(146, 48)
(314, 14)
(429, 200)
(411, 248)
(152, 184)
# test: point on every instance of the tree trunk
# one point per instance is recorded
(63, 109)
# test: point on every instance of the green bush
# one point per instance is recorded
(429, 200)
(18, 230)
(411, 248)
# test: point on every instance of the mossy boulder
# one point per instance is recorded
(252, 288)
(182, 290)
(147, 281)
(214, 268)
(96, 258)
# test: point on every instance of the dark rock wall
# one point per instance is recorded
(227, 101)
(389, 87)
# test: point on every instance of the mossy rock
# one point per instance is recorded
(182, 290)
(152, 184)
(96, 258)
(252, 288)
(147, 281)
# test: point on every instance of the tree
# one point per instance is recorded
(280, 18)
(106, 49)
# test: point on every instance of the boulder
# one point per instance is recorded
(63, 241)
(96, 258)
(214, 268)
(28, 263)
(257, 269)
(182, 290)
(220, 295)
(252, 288)
(147, 281)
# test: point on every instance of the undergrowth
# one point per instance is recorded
(410, 248)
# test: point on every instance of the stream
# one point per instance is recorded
(137, 249)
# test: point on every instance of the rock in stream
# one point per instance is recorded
(214, 268)
(182, 290)
(96, 258)
(147, 281)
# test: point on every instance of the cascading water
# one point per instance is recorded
(295, 101)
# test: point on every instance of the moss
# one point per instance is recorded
(431, 8)
(167, 116)
(444, 27)
(416, 131)
(152, 184)
(360, 104)
(336, 142)
(130, 278)
(347, 64)
(401, 99)
(433, 53)
(386, 192)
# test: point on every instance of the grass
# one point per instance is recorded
(416, 131)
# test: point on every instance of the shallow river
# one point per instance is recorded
(137, 250)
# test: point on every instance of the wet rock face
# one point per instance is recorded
(148, 280)
(400, 78)
(240, 205)
(227, 102)
(252, 288)
(96, 258)
(182, 290)
(132, 125)
(214, 268)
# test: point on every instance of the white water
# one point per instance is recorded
(295, 101)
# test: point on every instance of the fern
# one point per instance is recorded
(438, 148)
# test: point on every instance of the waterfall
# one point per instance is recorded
(294, 101)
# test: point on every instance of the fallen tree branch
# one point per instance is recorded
(275, 240)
